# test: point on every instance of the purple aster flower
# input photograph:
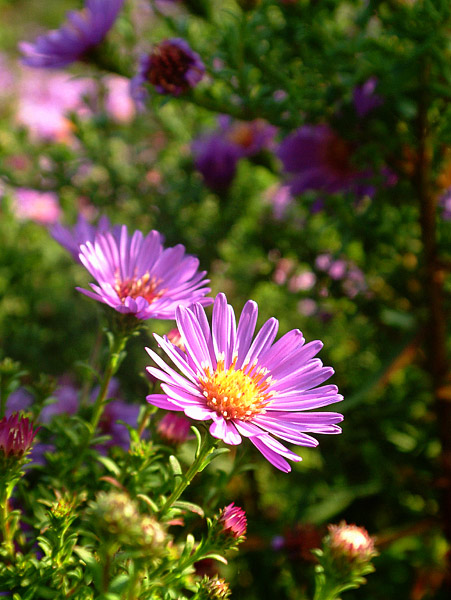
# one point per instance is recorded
(16, 436)
(254, 389)
(365, 99)
(318, 159)
(445, 203)
(138, 276)
(250, 137)
(172, 68)
(80, 233)
(216, 159)
(233, 520)
(83, 31)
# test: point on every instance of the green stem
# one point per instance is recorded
(116, 349)
(207, 446)
(5, 529)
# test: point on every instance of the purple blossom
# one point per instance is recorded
(216, 159)
(281, 199)
(254, 389)
(318, 159)
(445, 203)
(20, 399)
(171, 68)
(365, 99)
(138, 276)
(217, 154)
(72, 237)
(83, 31)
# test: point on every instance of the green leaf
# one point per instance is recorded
(175, 465)
(195, 508)
(110, 465)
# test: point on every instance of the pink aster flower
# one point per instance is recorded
(16, 436)
(233, 520)
(174, 428)
(72, 237)
(138, 276)
(83, 31)
(33, 205)
(252, 388)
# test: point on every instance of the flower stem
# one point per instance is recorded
(116, 347)
(207, 446)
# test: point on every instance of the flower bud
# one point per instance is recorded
(351, 543)
(213, 588)
(16, 437)
(233, 520)
(174, 428)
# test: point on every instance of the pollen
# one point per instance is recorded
(144, 286)
(237, 393)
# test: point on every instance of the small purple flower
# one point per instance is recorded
(115, 411)
(233, 520)
(216, 159)
(171, 68)
(16, 436)
(365, 99)
(281, 199)
(83, 31)
(318, 159)
(80, 233)
(138, 276)
(217, 154)
(254, 389)
(445, 203)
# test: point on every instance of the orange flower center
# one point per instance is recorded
(242, 135)
(235, 393)
(337, 155)
(144, 286)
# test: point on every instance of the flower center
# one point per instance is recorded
(145, 287)
(168, 67)
(242, 135)
(237, 394)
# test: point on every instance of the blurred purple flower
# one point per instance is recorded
(302, 281)
(67, 402)
(281, 199)
(115, 411)
(445, 203)
(337, 269)
(365, 99)
(118, 102)
(172, 68)
(138, 276)
(216, 159)
(72, 237)
(19, 400)
(83, 30)
(318, 159)
(217, 154)
(247, 388)
(323, 261)
(307, 307)
(40, 207)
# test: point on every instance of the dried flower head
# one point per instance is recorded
(233, 520)
(214, 588)
(171, 68)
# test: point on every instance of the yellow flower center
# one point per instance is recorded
(144, 286)
(235, 393)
